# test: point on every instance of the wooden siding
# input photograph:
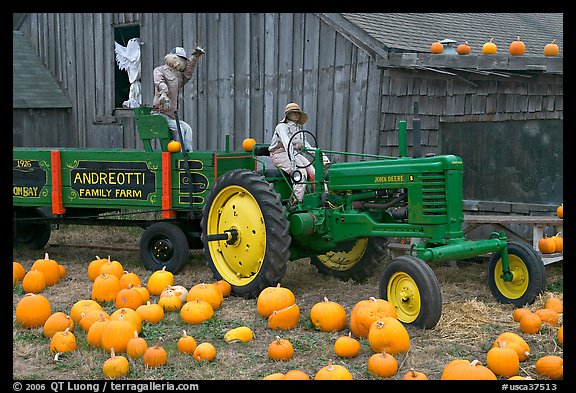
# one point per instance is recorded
(464, 97)
(255, 64)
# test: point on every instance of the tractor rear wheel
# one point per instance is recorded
(355, 260)
(244, 206)
(529, 276)
(411, 286)
(28, 232)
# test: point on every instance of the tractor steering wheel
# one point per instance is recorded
(309, 155)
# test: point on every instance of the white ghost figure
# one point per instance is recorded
(128, 59)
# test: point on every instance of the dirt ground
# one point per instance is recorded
(471, 319)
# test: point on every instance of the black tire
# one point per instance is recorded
(164, 244)
(244, 201)
(528, 269)
(411, 286)
(27, 232)
(356, 260)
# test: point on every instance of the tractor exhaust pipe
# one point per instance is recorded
(416, 133)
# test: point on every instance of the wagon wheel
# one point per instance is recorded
(528, 276)
(412, 287)
(28, 232)
(245, 232)
(306, 153)
(164, 244)
(356, 260)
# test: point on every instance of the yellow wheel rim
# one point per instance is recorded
(517, 287)
(235, 208)
(403, 293)
(344, 260)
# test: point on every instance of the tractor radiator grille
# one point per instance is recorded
(433, 194)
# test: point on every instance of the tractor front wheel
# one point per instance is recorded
(528, 275)
(412, 287)
(245, 232)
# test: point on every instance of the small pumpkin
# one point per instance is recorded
(57, 322)
(546, 245)
(129, 315)
(174, 146)
(143, 292)
(83, 306)
(136, 346)
(296, 375)
(179, 291)
(94, 335)
(112, 267)
(489, 48)
(558, 242)
(170, 303)
(436, 48)
(388, 334)
(551, 366)
(18, 270)
(333, 372)
(91, 317)
(49, 267)
(129, 279)
(248, 144)
(34, 282)
(155, 356)
(273, 377)
(383, 364)
(463, 48)
(225, 287)
(105, 288)
(413, 375)
(274, 298)
(365, 312)
(560, 335)
(196, 311)
(503, 361)
(560, 211)
(285, 318)
(33, 310)
(530, 323)
(204, 352)
(94, 267)
(207, 292)
(151, 312)
(241, 333)
(515, 342)
(347, 346)
(159, 280)
(517, 47)
(186, 344)
(115, 366)
(519, 312)
(128, 297)
(328, 316)
(548, 316)
(280, 349)
(63, 342)
(461, 369)
(551, 49)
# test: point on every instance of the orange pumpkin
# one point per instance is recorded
(333, 372)
(461, 369)
(34, 282)
(502, 360)
(519, 312)
(551, 366)
(463, 48)
(546, 245)
(558, 242)
(174, 146)
(136, 346)
(530, 323)
(554, 303)
(328, 316)
(347, 346)
(57, 322)
(18, 270)
(489, 48)
(210, 293)
(413, 375)
(517, 47)
(274, 298)
(548, 316)
(49, 267)
(280, 349)
(515, 342)
(155, 356)
(248, 144)
(296, 375)
(436, 48)
(560, 335)
(204, 352)
(388, 334)
(551, 49)
(383, 364)
(365, 312)
(285, 318)
(186, 344)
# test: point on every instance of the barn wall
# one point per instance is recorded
(255, 64)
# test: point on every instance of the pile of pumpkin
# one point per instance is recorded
(516, 48)
(374, 320)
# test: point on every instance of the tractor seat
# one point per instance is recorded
(268, 169)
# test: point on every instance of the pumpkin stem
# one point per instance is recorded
(326, 299)
(278, 340)
(379, 324)
(46, 256)
(330, 365)
(112, 354)
(65, 332)
(474, 362)
(135, 333)
(413, 371)
(56, 356)
(184, 333)
(372, 298)
(517, 38)
(160, 339)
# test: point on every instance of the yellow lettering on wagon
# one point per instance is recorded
(26, 192)
(109, 178)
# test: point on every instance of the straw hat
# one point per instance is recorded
(293, 107)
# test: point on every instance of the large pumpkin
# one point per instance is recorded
(365, 312)
(210, 293)
(49, 267)
(328, 316)
(461, 369)
(33, 310)
(274, 298)
(390, 335)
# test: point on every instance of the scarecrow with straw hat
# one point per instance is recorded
(169, 78)
(294, 119)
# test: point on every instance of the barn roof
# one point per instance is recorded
(33, 86)
(403, 39)
(415, 32)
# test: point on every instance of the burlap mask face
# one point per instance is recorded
(176, 62)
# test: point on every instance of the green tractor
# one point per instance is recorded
(345, 222)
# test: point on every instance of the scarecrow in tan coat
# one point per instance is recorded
(168, 80)
(294, 119)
